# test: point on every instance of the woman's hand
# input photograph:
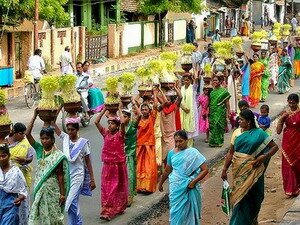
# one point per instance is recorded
(224, 174)
(160, 187)
(259, 160)
(19, 200)
(186, 110)
(192, 184)
(21, 160)
(62, 200)
(92, 185)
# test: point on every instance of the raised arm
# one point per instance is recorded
(98, 119)
(28, 134)
(122, 120)
(179, 96)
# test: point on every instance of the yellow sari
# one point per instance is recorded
(21, 150)
(257, 70)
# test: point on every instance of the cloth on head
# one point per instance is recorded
(114, 118)
(72, 120)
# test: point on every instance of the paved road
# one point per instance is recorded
(90, 206)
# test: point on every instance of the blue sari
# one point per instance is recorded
(246, 79)
(185, 203)
(248, 182)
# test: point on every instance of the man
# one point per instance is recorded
(36, 65)
(65, 62)
(294, 23)
(196, 60)
(216, 37)
(227, 25)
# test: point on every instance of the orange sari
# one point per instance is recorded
(257, 70)
(146, 167)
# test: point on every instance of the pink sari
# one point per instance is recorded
(203, 116)
(114, 177)
(291, 154)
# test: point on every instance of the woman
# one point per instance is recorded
(189, 111)
(273, 65)
(290, 146)
(13, 189)
(250, 151)
(285, 73)
(185, 168)
(265, 77)
(114, 177)
(245, 86)
(77, 151)
(52, 181)
(297, 60)
(131, 125)
(219, 111)
(21, 154)
(256, 72)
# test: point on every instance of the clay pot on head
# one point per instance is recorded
(187, 67)
(125, 101)
(273, 42)
(72, 107)
(167, 85)
(255, 48)
(47, 116)
(228, 61)
(112, 108)
(239, 54)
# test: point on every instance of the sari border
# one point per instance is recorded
(67, 181)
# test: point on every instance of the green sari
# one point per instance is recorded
(217, 116)
(284, 75)
(130, 151)
(45, 208)
(248, 182)
(265, 78)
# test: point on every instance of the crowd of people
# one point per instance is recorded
(154, 141)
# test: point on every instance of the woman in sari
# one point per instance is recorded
(77, 151)
(245, 89)
(290, 146)
(219, 111)
(265, 77)
(131, 125)
(189, 110)
(185, 168)
(273, 65)
(297, 60)
(285, 73)
(114, 177)
(250, 151)
(13, 189)
(257, 69)
(52, 180)
(21, 155)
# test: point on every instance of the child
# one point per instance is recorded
(130, 150)
(243, 104)
(203, 101)
(12, 188)
(114, 177)
(264, 120)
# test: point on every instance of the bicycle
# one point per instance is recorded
(32, 93)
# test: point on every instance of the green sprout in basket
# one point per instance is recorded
(49, 86)
(111, 85)
(144, 76)
(127, 80)
(169, 56)
(68, 87)
(286, 29)
(237, 43)
(188, 48)
(4, 117)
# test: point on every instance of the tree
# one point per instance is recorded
(161, 7)
(18, 10)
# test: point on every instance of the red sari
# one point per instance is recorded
(114, 177)
(291, 154)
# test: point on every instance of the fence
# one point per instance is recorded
(95, 47)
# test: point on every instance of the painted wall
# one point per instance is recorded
(131, 36)
(4, 50)
(179, 30)
(149, 37)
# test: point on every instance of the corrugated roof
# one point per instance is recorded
(129, 5)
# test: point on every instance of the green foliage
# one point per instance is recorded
(207, 68)
(127, 79)
(98, 29)
(143, 74)
(49, 85)
(50, 10)
(4, 119)
(3, 97)
(111, 84)
(188, 48)
(169, 56)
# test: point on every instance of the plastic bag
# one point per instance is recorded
(226, 207)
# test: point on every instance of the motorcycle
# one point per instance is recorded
(83, 113)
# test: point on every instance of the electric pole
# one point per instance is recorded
(35, 24)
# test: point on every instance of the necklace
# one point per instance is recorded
(43, 156)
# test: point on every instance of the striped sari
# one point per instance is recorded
(284, 75)
(248, 182)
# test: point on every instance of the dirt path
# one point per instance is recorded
(273, 208)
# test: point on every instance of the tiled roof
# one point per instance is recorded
(129, 5)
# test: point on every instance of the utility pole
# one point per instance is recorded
(35, 24)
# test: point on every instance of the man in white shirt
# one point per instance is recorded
(294, 23)
(65, 62)
(36, 64)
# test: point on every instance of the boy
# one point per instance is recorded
(264, 121)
